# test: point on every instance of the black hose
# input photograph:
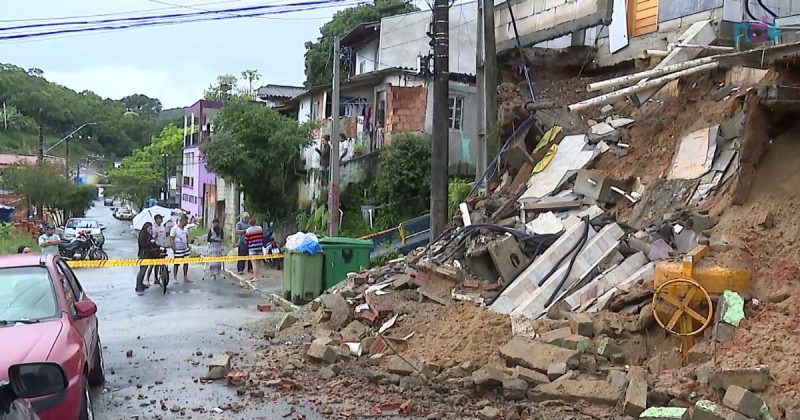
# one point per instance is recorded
(582, 242)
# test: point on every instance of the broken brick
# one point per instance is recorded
(753, 379)
(743, 401)
(264, 307)
(323, 353)
(581, 324)
(488, 377)
(763, 219)
(530, 376)
(635, 398)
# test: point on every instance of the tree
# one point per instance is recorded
(222, 88)
(141, 175)
(402, 184)
(251, 76)
(256, 147)
(45, 186)
(318, 56)
(142, 104)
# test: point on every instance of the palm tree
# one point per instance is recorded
(251, 76)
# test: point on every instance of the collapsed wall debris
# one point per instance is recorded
(574, 265)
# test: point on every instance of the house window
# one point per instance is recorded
(456, 117)
(314, 110)
(362, 67)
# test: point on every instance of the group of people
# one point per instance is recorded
(152, 242)
(324, 150)
(48, 242)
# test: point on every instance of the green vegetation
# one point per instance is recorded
(10, 240)
(46, 187)
(402, 185)
(141, 174)
(319, 64)
(457, 191)
(383, 259)
(32, 102)
(257, 148)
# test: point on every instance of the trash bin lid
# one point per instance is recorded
(340, 240)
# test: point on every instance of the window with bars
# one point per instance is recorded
(456, 117)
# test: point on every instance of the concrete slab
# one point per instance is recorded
(617, 275)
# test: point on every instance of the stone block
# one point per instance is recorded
(321, 353)
(400, 367)
(488, 413)
(709, 410)
(220, 361)
(704, 372)
(556, 370)
(514, 389)
(488, 377)
(617, 378)
(534, 355)
(753, 379)
(743, 401)
(339, 309)
(554, 336)
(635, 398)
(354, 331)
(287, 321)
(665, 413)
(596, 185)
(508, 258)
(581, 324)
(530, 376)
(574, 391)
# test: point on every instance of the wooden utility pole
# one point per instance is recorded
(441, 100)
(486, 72)
(40, 154)
(333, 190)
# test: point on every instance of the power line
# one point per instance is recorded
(194, 7)
(170, 16)
(321, 4)
(131, 12)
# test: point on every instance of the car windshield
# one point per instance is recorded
(26, 294)
(81, 224)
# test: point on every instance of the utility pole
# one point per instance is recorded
(40, 154)
(66, 158)
(441, 100)
(166, 178)
(486, 70)
(333, 190)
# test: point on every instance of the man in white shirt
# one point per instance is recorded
(345, 148)
(180, 247)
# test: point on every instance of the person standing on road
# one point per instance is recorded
(254, 236)
(159, 233)
(49, 241)
(215, 239)
(241, 229)
(180, 247)
(147, 249)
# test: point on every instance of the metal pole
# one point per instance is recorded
(166, 178)
(333, 190)
(40, 154)
(439, 147)
(487, 83)
(66, 158)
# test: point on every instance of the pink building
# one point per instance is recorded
(198, 186)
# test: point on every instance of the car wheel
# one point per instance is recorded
(97, 376)
(87, 408)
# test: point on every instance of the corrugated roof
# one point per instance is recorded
(279, 91)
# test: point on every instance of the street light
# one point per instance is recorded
(66, 138)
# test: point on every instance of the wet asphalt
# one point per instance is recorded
(171, 338)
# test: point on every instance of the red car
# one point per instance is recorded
(46, 316)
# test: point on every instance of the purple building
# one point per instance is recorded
(198, 187)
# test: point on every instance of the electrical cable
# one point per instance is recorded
(525, 66)
(166, 16)
(580, 244)
(321, 5)
(131, 12)
(565, 255)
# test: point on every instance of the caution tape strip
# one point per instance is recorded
(133, 262)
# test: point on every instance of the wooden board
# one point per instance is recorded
(642, 17)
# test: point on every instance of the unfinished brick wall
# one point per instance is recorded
(405, 110)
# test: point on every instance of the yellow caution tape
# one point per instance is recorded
(133, 262)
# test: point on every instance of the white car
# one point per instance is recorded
(123, 214)
(90, 226)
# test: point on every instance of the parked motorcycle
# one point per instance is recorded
(83, 247)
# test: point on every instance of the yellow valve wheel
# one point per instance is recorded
(689, 305)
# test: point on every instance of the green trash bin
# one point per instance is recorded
(302, 276)
(342, 256)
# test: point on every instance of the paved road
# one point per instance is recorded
(166, 333)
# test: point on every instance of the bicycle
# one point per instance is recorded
(162, 272)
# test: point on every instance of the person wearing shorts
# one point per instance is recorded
(180, 247)
(254, 236)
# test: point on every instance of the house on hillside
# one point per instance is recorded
(278, 96)
(198, 183)
(388, 89)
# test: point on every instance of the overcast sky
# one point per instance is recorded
(173, 63)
